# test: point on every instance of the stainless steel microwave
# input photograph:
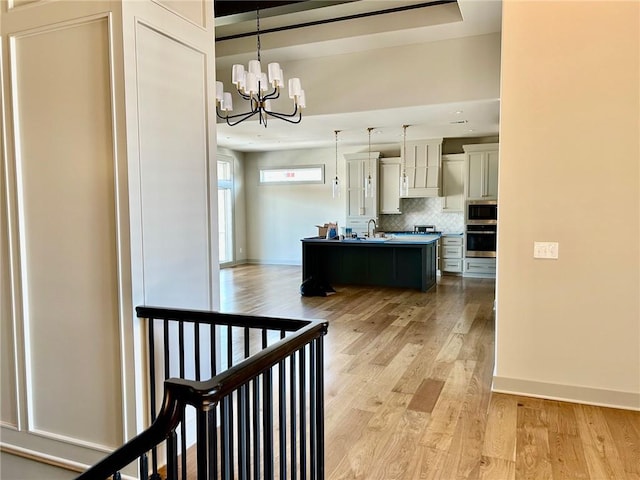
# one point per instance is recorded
(482, 212)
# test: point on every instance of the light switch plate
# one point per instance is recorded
(545, 250)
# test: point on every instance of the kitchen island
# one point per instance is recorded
(408, 262)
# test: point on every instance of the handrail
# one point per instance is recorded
(218, 318)
(170, 416)
(204, 395)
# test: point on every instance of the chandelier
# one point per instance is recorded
(259, 88)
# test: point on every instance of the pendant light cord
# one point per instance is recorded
(337, 131)
(369, 166)
(404, 157)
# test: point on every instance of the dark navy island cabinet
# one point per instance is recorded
(389, 264)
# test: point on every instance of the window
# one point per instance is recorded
(225, 210)
(285, 175)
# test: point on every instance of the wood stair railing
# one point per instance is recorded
(261, 416)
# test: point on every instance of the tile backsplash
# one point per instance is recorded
(422, 211)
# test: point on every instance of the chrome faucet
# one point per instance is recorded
(374, 227)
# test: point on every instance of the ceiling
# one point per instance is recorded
(332, 26)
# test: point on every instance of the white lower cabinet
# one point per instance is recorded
(451, 254)
(480, 267)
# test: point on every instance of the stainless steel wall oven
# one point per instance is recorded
(481, 228)
(481, 240)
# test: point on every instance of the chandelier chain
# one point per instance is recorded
(258, 31)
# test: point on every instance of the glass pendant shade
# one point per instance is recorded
(404, 185)
(335, 188)
(368, 187)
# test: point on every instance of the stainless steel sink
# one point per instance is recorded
(366, 240)
(413, 238)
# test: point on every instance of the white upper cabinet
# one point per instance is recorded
(359, 206)
(482, 171)
(390, 169)
(423, 165)
(453, 182)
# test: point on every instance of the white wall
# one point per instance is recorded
(278, 216)
(105, 205)
(14, 467)
(569, 172)
(428, 73)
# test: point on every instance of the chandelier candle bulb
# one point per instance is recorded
(264, 84)
(252, 83)
(295, 88)
(227, 102)
(237, 74)
(254, 67)
(275, 74)
(219, 91)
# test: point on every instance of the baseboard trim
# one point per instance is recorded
(567, 393)
(43, 458)
(253, 261)
(51, 460)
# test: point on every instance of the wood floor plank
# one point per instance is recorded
(428, 464)
(567, 457)
(533, 460)
(349, 429)
(561, 417)
(600, 449)
(397, 452)
(390, 374)
(463, 325)
(426, 396)
(369, 447)
(500, 434)
(625, 430)
(445, 414)
(497, 469)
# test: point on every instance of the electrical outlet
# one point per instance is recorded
(545, 250)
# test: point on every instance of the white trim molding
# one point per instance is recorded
(567, 393)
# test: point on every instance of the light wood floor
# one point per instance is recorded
(408, 378)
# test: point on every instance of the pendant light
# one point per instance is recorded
(368, 182)
(335, 187)
(404, 182)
